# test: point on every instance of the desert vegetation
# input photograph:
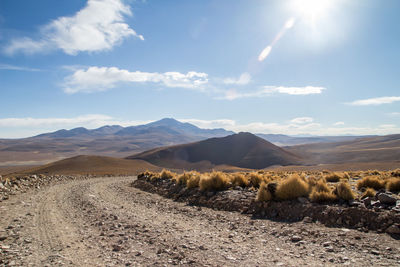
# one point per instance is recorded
(317, 187)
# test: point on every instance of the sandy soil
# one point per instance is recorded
(105, 222)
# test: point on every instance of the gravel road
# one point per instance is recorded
(106, 222)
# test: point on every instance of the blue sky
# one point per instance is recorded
(321, 67)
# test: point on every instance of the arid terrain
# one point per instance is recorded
(106, 222)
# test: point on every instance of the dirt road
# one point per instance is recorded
(105, 222)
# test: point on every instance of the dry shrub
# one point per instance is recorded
(184, 178)
(292, 187)
(263, 193)
(255, 179)
(346, 175)
(368, 193)
(312, 181)
(166, 174)
(193, 181)
(215, 181)
(371, 182)
(343, 191)
(395, 173)
(239, 179)
(332, 178)
(321, 186)
(322, 196)
(393, 185)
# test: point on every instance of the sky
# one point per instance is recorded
(297, 67)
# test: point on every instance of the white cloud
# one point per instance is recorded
(269, 90)
(210, 124)
(98, 26)
(338, 123)
(307, 90)
(302, 120)
(96, 79)
(243, 79)
(394, 114)
(375, 101)
(13, 67)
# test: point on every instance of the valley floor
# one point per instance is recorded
(106, 222)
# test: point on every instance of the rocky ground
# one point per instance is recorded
(106, 222)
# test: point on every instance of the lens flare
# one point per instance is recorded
(264, 54)
(267, 50)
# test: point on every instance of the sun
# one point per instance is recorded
(312, 10)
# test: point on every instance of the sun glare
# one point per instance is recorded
(312, 10)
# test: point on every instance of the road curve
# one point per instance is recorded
(106, 222)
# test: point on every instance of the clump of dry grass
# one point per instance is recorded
(343, 191)
(184, 177)
(166, 174)
(292, 187)
(193, 180)
(371, 182)
(393, 185)
(395, 173)
(255, 179)
(321, 186)
(332, 178)
(370, 192)
(263, 193)
(322, 196)
(215, 181)
(239, 179)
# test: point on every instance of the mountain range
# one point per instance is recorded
(120, 142)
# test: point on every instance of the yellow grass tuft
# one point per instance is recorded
(215, 181)
(393, 185)
(371, 182)
(321, 186)
(184, 178)
(239, 179)
(263, 193)
(368, 193)
(256, 179)
(166, 174)
(343, 191)
(292, 187)
(332, 178)
(193, 181)
(322, 196)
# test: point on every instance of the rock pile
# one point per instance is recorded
(381, 213)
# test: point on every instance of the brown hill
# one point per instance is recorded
(96, 165)
(242, 150)
(370, 149)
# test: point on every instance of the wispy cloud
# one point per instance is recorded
(394, 114)
(339, 123)
(293, 127)
(210, 124)
(302, 120)
(243, 79)
(98, 26)
(18, 68)
(306, 90)
(375, 101)
(270, 90)
(95, 79)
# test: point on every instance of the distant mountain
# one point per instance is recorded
(164, 126)
(367, 149)
(243, 150)
(286, 140)
(114, 141)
